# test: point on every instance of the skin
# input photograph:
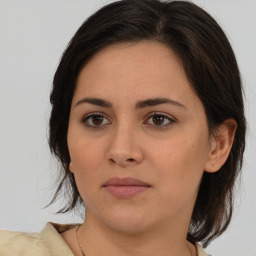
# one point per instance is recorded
(130, 142)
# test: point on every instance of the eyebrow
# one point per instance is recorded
(139, 104)
(157, 101)
(95, 101)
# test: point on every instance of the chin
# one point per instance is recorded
(127, 223)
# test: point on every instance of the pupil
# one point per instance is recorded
(158, 119)
(97, 119)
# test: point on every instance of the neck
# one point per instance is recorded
(160, 240)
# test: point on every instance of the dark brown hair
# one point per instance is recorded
(210, 66)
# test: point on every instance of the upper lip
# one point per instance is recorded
(127, 181)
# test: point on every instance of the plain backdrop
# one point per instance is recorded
(33, 35)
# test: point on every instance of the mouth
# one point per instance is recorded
(125, 188)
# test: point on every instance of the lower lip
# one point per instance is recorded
(125, 191)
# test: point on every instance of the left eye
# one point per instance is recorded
(160, 120)
(95, 120)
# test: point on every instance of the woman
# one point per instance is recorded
(148, 123)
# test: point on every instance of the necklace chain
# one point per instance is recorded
(81, 249)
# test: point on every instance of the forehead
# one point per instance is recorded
(134, 70)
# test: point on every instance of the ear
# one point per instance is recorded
(221, 144)
(71, 167)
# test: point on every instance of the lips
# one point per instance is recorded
(125, 187)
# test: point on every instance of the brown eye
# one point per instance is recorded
(160, 120)
(95, 120)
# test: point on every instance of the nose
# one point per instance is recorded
(124, 149)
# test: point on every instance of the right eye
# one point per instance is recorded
(95, 120)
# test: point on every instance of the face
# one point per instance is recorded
(138, 138)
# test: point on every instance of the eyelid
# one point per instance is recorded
(167, 116)
(91, 114)
(150, 115)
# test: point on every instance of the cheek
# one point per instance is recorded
(181, 151)
(180, 162)
(86, 159)
(85, 153)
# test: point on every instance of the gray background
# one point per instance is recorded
(33, 35)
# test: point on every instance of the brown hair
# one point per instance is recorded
(210, 66)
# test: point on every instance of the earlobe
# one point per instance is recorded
(221, 144)
(71, 167)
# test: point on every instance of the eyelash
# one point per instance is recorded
(87, 117)
(150, 116)
(170, 119)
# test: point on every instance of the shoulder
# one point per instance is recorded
(46, 243)
(13, 243)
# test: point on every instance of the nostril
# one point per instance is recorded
(122, 161)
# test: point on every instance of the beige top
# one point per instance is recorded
(46, 243)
